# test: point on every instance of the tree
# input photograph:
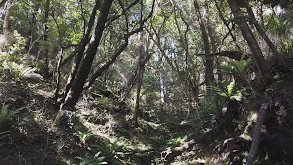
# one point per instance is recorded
(251, 41)
(273, 48)
(209, 76)
(85, 66)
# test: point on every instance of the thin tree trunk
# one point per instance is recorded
(85, 66)
(226, 24)
(58, 78)
(46, 49)
(273, 48)
(141, 56)
(133, 79)
(213, 42)
(32, 30)
(137, 110)
(209, 76)
(260, 13)
(7, 18)
(99, 71)
(251, 41)
(163, 81)
(182, 75)
(256, 134)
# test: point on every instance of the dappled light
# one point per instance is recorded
(154, 82)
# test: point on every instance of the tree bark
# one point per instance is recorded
(251, 41)
(2, 3)
(7, 18)
(163, 81)
(213, 42)
(141, 56)
(256, 134)
(32, 30)
(226, 24)
(85, 66)
(276, 53)
(80, 49)
(46, 49)
(209, 76)
(137, 110)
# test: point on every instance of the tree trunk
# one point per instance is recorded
(141, 56)
(273, 48)
(80, 49)
(31, 30)
(2, 3)
(226, 24)
(251, 41)
(86, 64)
(256, 134)
(6, 19)
(209, 76)
(213, 42)
(163, 81)
(46, 49)
(137, 110)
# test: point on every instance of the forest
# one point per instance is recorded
(146, 82)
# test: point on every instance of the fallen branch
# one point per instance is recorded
(256, 134)
(236, 55)
(179, 150)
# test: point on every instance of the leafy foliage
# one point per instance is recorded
(20, 71)
(97, 159)
(5, 116)
(238, 69)
(113, 152)
(286, 47)
(83, 135)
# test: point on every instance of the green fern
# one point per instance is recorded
(97, 159)
(277, 27)
(238, 69)
(286, 47)
(83, 136)
(20, 71)
(113, 152)
(5, 116)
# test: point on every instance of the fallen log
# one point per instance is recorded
(179, 150)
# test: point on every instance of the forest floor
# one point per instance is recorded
(98, 125)
(100, 131)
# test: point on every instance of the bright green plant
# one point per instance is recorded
(113, 152)
(226, 93)
(83, 135)
(97, 159)
(231, 93)
(176, 142)
(238, 69)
